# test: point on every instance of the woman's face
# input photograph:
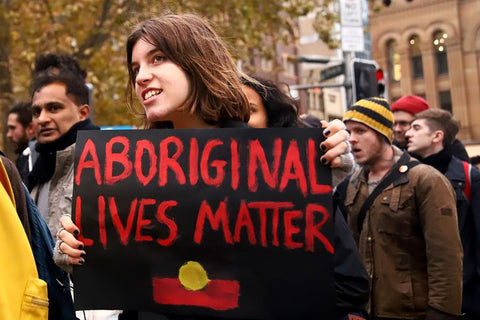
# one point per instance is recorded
(161, 85)
(258, 113)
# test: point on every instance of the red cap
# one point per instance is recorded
(410, 104)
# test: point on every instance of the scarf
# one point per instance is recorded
(44, 167)
(440, 160)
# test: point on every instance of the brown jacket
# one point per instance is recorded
(410, 244)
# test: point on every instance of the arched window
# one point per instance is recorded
(394, 71)
(440, 51)
(416, 57)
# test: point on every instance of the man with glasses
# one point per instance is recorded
(404, 110)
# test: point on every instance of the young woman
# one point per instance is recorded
(270, 107)
(183, 76)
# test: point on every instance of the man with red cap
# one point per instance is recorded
(404, 110)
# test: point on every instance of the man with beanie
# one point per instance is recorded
(431, 133)
(403, 218)
(404, 109)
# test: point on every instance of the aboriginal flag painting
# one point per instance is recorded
(216, 223)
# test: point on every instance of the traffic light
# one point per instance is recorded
(364, 79)
(381, 84)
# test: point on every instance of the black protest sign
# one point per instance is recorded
(223, 223)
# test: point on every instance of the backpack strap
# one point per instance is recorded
(468, 174)
(398, 169)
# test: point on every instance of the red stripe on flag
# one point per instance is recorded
(217, 295)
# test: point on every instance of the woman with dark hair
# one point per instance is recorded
(270, 107)
(181, 72)
(184, 77)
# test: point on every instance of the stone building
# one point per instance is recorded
(431, 48)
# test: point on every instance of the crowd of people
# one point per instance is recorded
(407, 220)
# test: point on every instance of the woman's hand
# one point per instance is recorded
(67, 243)
(336, 145)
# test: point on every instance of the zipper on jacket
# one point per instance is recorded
(39, 302)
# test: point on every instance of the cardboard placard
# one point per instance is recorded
(222, 223)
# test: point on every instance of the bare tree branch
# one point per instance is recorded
(49, 11)
(101, 32)
(97, 36)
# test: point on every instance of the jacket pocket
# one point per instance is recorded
(395, 210)
(35, 301)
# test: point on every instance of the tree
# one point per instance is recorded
(5, 76)
(328, 14)
(95, 32)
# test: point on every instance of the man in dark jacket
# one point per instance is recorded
(20, 131)
(60, 108)
(403, 217)
(404, 109)
(431, 133)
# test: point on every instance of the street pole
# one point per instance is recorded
(352, 40)
(348, 57)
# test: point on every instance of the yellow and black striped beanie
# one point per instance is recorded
(373, 112)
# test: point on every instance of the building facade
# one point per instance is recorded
(431, 48)
(324, 103)
(284, 68)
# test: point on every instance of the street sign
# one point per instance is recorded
(352, 25)
(353, 39)
(351, 13)
(332, 72)
(313, 59)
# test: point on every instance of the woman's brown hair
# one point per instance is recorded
(190, 42)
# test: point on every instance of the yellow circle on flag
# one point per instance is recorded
(193, 276)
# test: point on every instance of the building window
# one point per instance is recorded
(440, 49)
(266, 64)
(416, 56)
(394, 70)
(445, 100)
(314, 99)
(288, 65)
